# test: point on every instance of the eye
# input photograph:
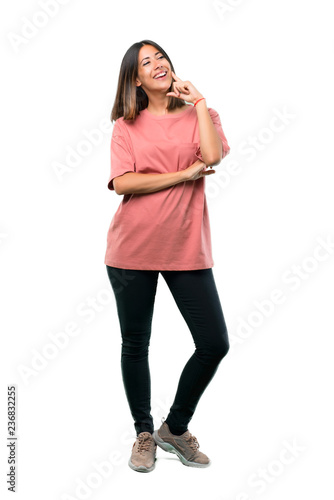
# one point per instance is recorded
(161, 57)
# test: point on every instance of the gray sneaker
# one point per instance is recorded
(143, 454)
(184, 446)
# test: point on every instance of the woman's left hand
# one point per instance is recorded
(184, 90)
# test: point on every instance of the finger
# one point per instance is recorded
(176, 90)
(183, 88)
(176, 77)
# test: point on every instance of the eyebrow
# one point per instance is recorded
(149, 57)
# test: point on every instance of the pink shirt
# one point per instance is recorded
(168, 229)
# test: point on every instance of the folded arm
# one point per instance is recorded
(210, 142)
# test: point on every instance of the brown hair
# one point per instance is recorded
(130, 99)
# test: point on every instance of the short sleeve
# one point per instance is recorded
(121, 154)
(216, 121)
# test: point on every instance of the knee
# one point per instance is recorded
(219, 345)
(135, 352)
(215, 353)
(221, 350)
(136, 346)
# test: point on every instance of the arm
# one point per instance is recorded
(210, 142)
(133, 182)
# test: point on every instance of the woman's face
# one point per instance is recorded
(150, 64)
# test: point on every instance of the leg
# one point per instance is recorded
(135, 293)
(197, 298)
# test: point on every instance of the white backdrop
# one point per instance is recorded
(266, 418)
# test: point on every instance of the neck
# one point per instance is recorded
(157, 104)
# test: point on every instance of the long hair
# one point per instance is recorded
(131, 99)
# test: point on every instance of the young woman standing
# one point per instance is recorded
(160, 149)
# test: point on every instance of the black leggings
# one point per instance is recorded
(196, 296)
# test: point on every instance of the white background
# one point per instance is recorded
(251, 60)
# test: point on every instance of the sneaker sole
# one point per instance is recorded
(171, 449)
(141, 468)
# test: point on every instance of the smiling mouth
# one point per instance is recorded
(160, 77)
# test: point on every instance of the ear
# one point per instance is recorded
(138, 82)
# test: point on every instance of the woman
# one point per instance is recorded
(160, 150)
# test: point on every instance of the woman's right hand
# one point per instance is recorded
(196, 170)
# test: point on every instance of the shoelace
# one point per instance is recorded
(144, 443)
(193, 443)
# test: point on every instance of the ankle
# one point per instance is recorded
(175, 432)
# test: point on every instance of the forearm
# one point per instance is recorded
(136, 183)
(210, 142)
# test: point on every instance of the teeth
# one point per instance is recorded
(161, 74)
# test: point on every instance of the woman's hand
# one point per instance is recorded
(196, 170)
(184, 90)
